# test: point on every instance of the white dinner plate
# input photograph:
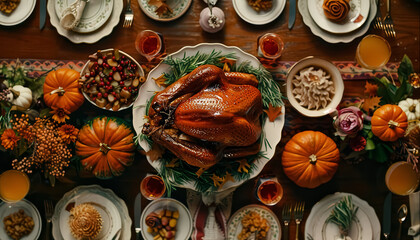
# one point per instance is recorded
(20, 14)
(95, 14)
(91, 37)
(333, 37)
(349, 24)
(235, 222)
(179, 7)
(248, 14)
(184, 225)
(365, 226)
(113, 211)
(272, 130)
(29, 209)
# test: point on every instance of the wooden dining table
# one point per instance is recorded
(364, 179)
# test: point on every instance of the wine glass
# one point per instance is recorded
(152, 187)
(150, 44)
(373, 52)
(268, 190)
(14, 185)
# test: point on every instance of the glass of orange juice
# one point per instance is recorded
(373, 52)
(14, 185)
(401, 178)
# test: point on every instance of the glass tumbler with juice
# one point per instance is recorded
(150, 44)
(268, 190)
(14, 185)
(152, 187)
(401, 178)
(373, 52)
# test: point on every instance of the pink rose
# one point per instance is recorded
(349, 121)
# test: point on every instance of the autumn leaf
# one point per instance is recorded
(272, 112)
(217, 181)
(160, 81)
(371, 89)
(370, 104)
(155, 153)
(243, 166)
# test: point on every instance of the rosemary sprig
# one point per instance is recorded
(185, 65)
(343, 214)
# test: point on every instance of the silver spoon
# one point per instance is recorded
(402, 214)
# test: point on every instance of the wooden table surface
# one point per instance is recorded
(366, 179)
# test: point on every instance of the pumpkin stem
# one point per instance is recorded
(393, 124)
(60, 91)
(312, 159)
(104, 148)
(15, 93)
(412, 108)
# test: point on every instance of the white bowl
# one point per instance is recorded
(86, 68)
(331, 69)
(184, 224)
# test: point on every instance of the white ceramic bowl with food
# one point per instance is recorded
(111, 82)
(184, 223)
(314, 87)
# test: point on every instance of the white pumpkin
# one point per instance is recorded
(411, 107)
(20, 96)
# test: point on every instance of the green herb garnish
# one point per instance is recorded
(343, 214)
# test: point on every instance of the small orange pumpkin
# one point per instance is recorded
(106, 147)
(61, 90)
(310, 159)
(389, 122)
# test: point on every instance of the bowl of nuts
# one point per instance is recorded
(110, 79)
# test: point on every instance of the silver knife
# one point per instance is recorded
(137, 215)
(42, 13)
(386, 221)
(292, 13)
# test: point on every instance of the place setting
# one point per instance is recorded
(15, 12)
(83, 21)
(338, 21)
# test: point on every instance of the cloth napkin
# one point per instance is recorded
(210, 214)
(414, 230)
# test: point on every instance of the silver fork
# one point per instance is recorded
(128, 17)
(286, 216)
(377, 22)
(298, 213)
(49, 209)
(388, 23)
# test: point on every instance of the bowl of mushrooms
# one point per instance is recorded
(110, 79)
(314, 87)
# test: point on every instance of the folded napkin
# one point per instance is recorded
(414, 230)
(71, 16)
(210, 214)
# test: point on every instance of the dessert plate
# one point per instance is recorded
(184, 224)
(30, 210)
(235, 225)
(179, 7)
(248, 14)
(333, 37)
(90, 37)
(113, 211)
(95, 14)
(20, 14)
(359, 10)
(365, 226)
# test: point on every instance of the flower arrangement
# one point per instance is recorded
(37, 137)
(378, 125)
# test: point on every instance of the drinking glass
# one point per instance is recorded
(270, 46)
(401, 178)
(150, 44)
(373, 52)
(268, 190)
(152, 187)
(14, 185)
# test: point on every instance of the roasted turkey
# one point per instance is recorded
(207, 115)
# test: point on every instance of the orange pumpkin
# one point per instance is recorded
(389, 122)
(106, 147)
(310, 159)
(61, 90)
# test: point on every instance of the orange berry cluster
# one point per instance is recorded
(50, 151)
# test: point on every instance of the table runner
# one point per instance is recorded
(349, 69)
